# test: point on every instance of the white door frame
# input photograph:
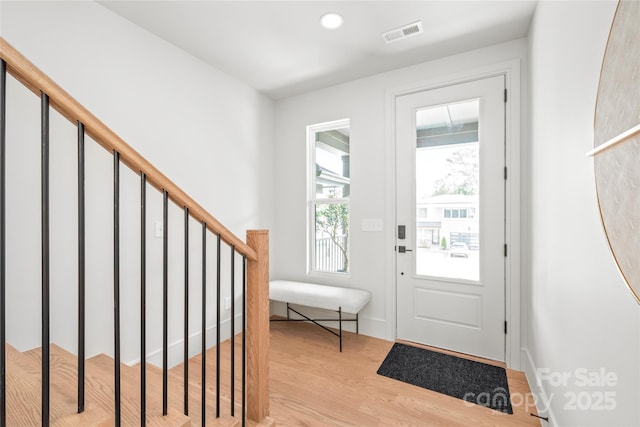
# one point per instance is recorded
(511, 71)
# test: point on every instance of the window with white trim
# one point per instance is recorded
(328, 199)
(455, 213)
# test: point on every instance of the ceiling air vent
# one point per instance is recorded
(402, 32)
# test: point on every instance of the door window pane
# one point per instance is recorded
(448, 190)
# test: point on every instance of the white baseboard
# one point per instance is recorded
(367, 326)
(176, 348)
(542, 399)
(373, 327)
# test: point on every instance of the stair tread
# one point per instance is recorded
(99, 387)
(102, 367)
(266, 422)
(226, 421)
(176, 396)
(105, 364)
(176, 388)
(99, 391)
(23, 399)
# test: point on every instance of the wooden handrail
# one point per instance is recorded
(37, 81)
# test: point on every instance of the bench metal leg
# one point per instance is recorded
(340, 321)
(315, 321)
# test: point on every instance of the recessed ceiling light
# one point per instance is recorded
(331, 20)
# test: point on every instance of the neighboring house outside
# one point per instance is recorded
(452, 216)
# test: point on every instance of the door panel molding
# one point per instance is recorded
(440, 303)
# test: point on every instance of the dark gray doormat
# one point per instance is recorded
(468, 380)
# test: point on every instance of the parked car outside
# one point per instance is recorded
(459, 249)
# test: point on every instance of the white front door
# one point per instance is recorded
(450, 163)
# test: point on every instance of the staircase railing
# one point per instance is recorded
(253, 253)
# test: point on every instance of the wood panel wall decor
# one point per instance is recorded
(617, 142)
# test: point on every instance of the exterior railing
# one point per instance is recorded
(329, 254)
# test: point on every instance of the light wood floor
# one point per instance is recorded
(313, 384)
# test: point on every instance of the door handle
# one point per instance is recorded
(403, 249)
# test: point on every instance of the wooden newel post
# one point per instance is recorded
(258, 326)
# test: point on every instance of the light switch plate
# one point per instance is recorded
(159, 230)
(372, 224)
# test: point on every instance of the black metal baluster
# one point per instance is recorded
(244, 339)
(186, 312)
(218, 329)
(81, 268)
(165, 297)
(45, 256)
(233, 329)
(3, 317)
(204, 322)
(143, 299)
(116, 282)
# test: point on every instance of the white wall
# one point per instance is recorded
(365, 103)
(580, 313)
(208, 132)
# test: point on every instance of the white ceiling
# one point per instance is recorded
(280, 49)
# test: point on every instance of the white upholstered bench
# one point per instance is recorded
(334, 298)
